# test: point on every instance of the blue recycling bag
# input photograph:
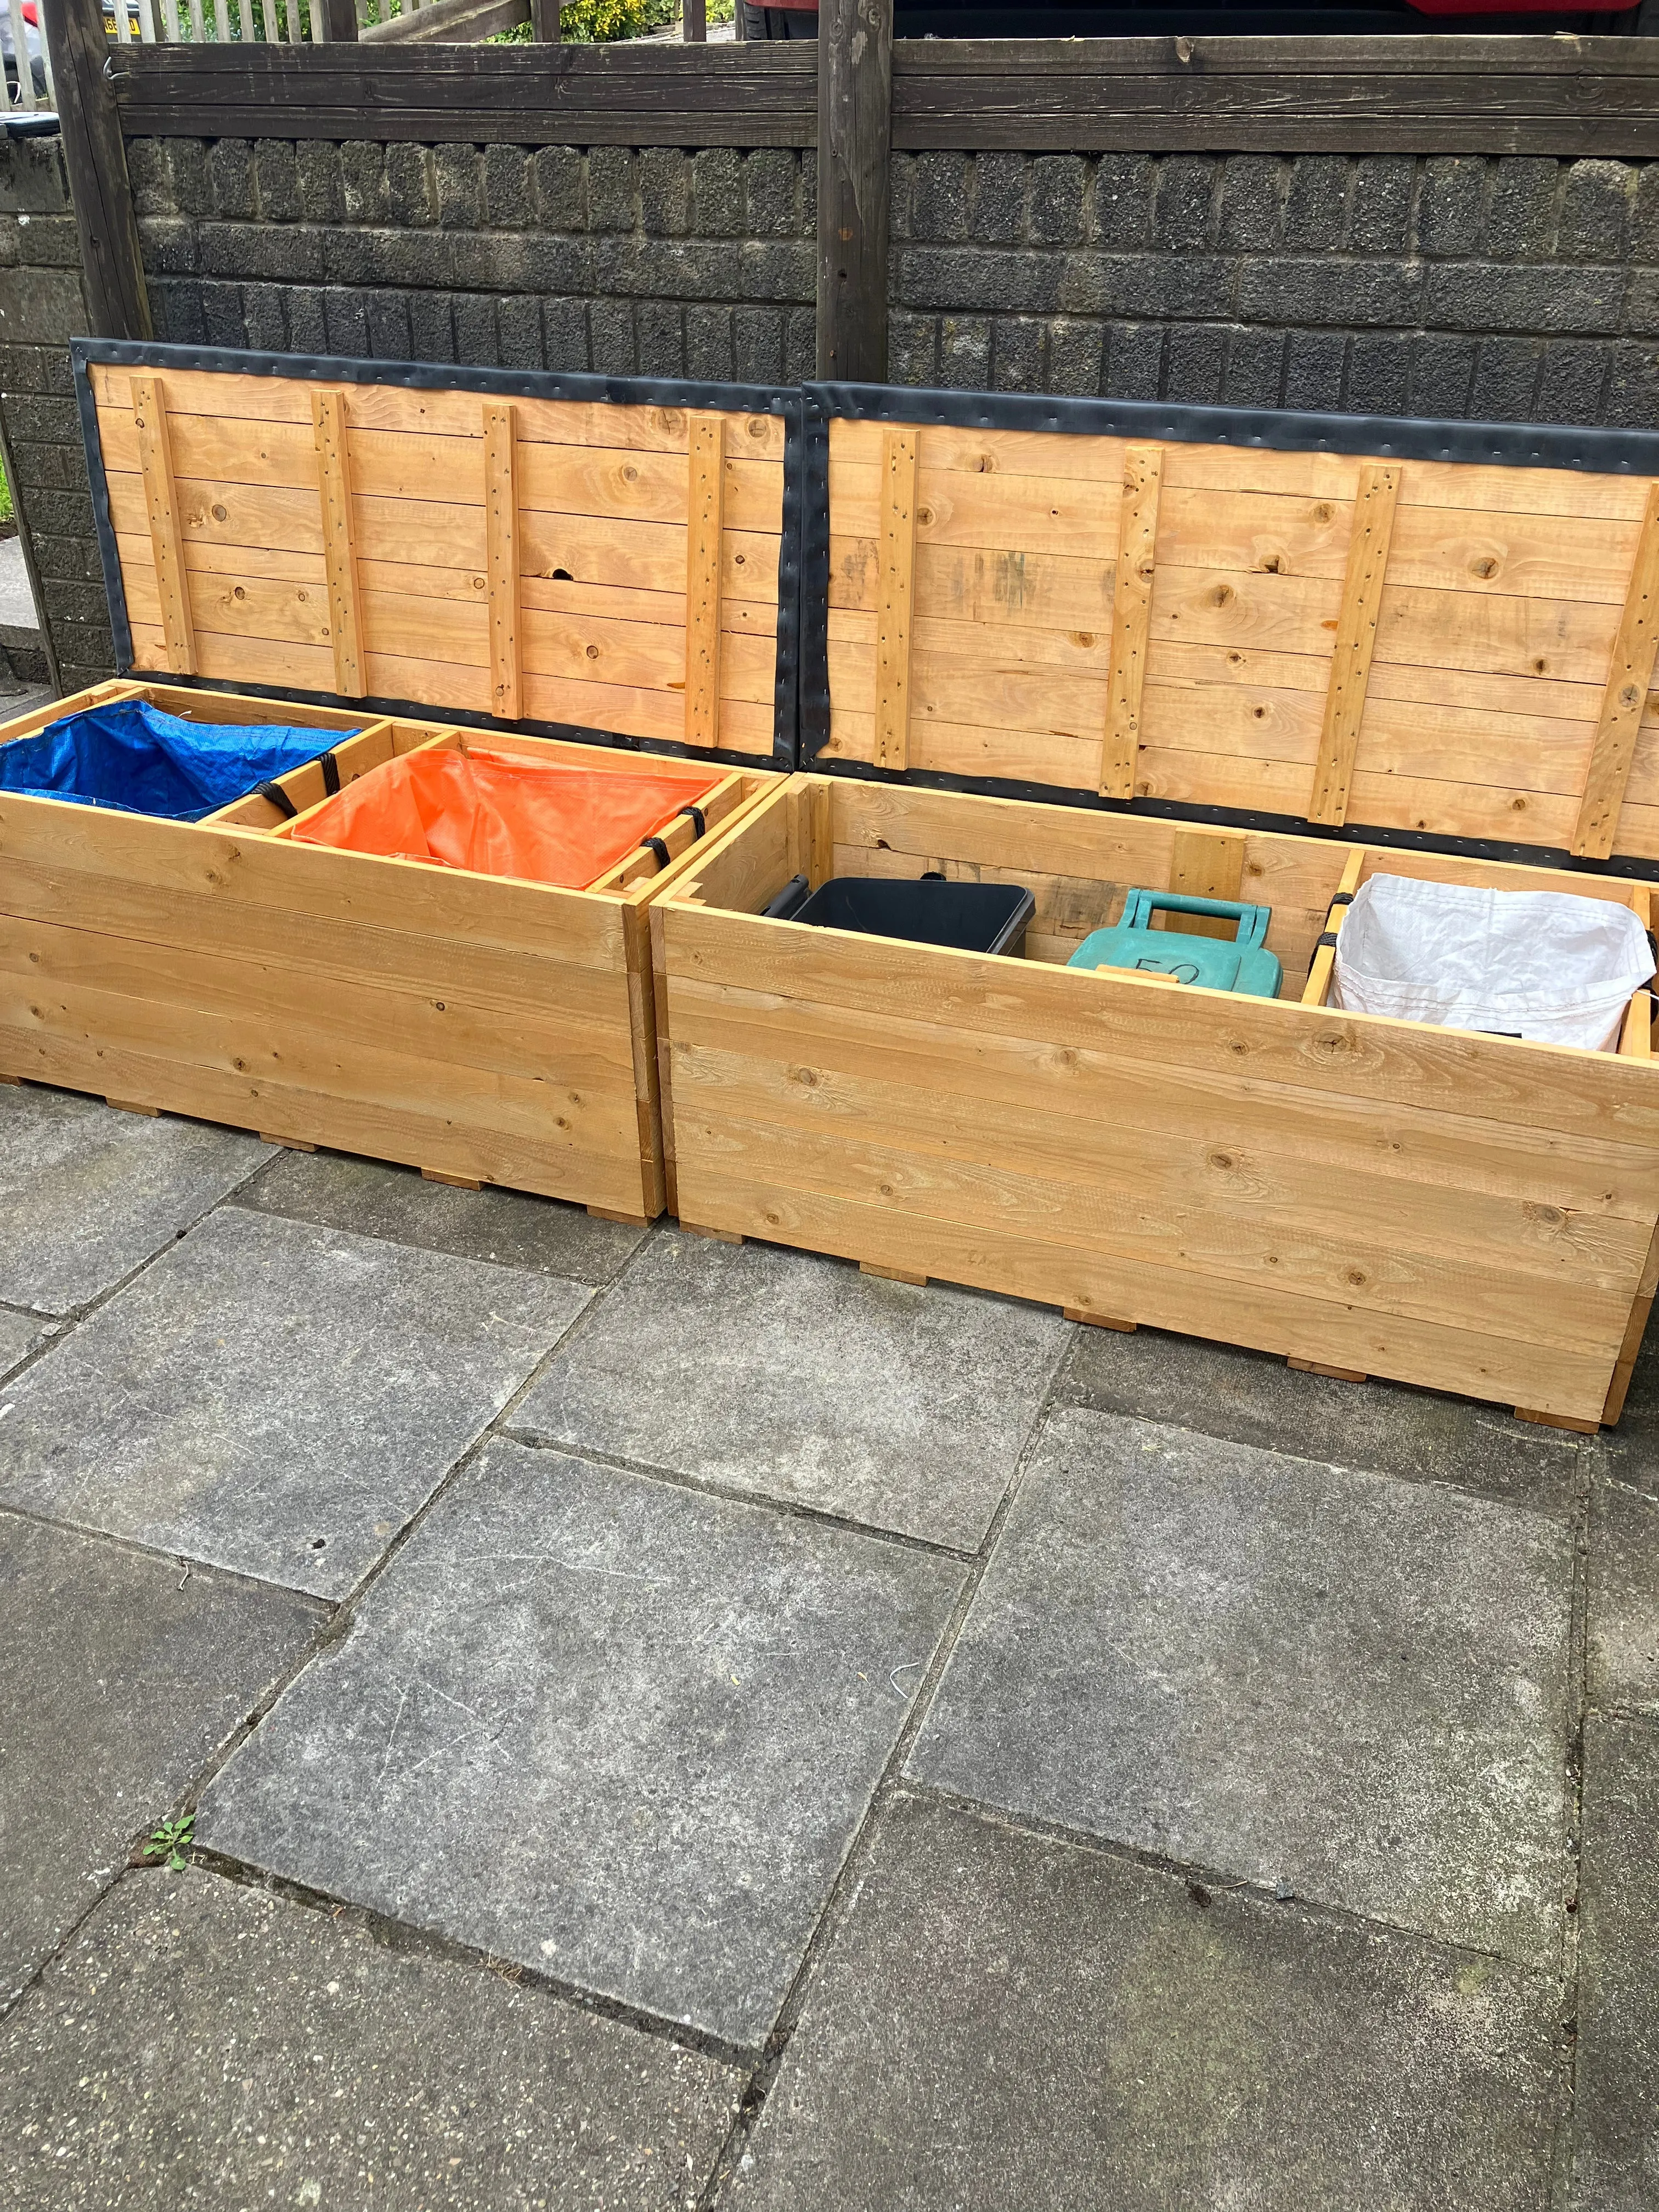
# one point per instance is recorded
(132, 757)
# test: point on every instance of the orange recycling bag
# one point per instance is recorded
(504, 814)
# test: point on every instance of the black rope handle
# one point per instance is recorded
(656, 846)
(279, 798)
(330, 768)
(699, 822)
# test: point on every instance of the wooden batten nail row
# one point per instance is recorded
(1370, 534)
(502, 557)
(897, 591)
(339, 552)
(1132, 612)
(149, 417)
(705, 508)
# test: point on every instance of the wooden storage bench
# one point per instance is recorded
(1253, 669)
(1364, 1196)
(381, 552)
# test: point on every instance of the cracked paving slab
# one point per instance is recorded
(123, 1676)
(789, 1376)
(275, 1398)
(1278, 1670)
(87, 1194)
(1007, 2021)
(620, 1731)
(203, 2044)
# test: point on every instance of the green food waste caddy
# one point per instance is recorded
(1244, 964)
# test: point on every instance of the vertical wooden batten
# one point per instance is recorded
(705, 501)
(1369, 539)
(1624, 697)
(328, 416)
(1132, 612)
(893, 618)
(501, 547)
(149, 417)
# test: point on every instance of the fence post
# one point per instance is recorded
(117, 304)
(338, 20)
(545, 26)
(855, 137)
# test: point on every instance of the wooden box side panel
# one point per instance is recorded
(481, 1030)
(1408, 645)
(1452, 1211)
(615, 568)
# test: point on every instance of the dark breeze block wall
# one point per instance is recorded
(655, 263)
(1516, 289)
(41, 307)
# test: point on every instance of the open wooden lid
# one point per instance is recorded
(592, 555)
(1443, 633)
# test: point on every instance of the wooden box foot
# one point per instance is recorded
(892, 1274)
(1335, 1374)
(1558, 1421)
(628, 1220)
(288, 1144)
(130, 1106)
(1099, 1321)
(716, 1236)
(10, 1078)
(455, 1182)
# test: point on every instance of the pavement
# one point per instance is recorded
(675, 1725)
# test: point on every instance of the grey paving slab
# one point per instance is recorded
(87, 1194)
(1383, 1427)
(1009, 2022)
(1622, 1610)
(122, 1676)
(507, 1226)
(1616, 2120)
(1285, 1672)
(205, 2045)
(20, 1334)
(798, 1377)
(275, 1398)
(620, 1731)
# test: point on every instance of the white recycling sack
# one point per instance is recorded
(1541, 964)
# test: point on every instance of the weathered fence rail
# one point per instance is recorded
(1410, 95)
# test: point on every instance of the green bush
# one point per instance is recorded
(594, 23)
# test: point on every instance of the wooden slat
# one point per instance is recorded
(706, 492)
(1132, 606)
(1625, 697)
(1356, 641)
(149, 420)
(334, 487)
(501, 549)
(893, 611)
(1206, 867)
